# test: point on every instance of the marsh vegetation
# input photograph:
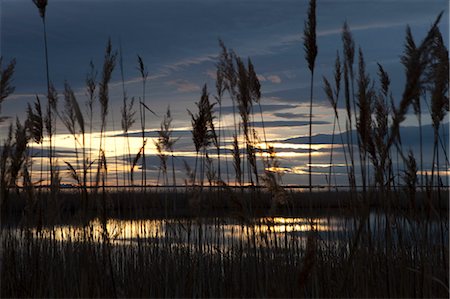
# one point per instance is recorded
(232, 229)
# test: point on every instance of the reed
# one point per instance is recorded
(363, 123)
(6, 77)
(127, 111)
(247, 245)
(201, 130)
(144, 75)
(378, 152)
(91, 87)
(103, 97)
(220, 89)
(166, 143)
(349, 56)
(310, 46)
(333, 97)
(35, 126)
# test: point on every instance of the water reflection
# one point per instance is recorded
(222, 233)
(185, 231)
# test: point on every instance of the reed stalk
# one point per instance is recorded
(108, 67)
(333, 98)
(91, 86)
(310, 47)
(349, 54)
(127, 112)
(144, 75)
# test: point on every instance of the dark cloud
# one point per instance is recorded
(290, 115)
(282, 123)
(264, 107)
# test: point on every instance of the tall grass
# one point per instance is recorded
(394, 244)
(349, 56)
(6, 77)
(127, 112)
(202, 132)
(310, 46)
(103, 97)
(142, 107)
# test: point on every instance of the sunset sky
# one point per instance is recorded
(178, 41)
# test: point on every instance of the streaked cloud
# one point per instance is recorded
(290, 115)
(283, 123)
(271, 78)
(182, 85)
(264, 107)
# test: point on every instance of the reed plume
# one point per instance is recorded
(333, 97)
(108, 67)
(91, 87)
(103, 96)
(166, 143)
(35, 121)
(6, 78)
(438, 79)
(51, 97)
(255, 95)
(18, 154)
(135, 161)
(144, 75)
(35, 127)
(128, 119)
(364, 121)
(201, 130)
(379, 154)
(349, 56)
(244, 104)
(127, 111)
(227, 69)
(220, 89)
(310, 47)
(415, 60)
(73, 118)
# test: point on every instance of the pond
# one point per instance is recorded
(226, 232)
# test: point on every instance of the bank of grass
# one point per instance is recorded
(218, 202)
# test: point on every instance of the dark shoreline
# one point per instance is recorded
(226, 204)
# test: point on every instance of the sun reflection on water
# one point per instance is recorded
(184, 231)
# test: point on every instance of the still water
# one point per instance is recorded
(226, 233)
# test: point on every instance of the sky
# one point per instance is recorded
(178, 41)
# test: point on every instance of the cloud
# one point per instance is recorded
(274, 79)
(184, 85)
(271, 78)
(282, 123)
(297, 38)
(290, 115)
(265, 108)
(190, 61)
(211, 73)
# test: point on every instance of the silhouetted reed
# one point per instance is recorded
(127, 112)
(396, 250)
(35, 126)
(202, 131)
(349, 56)
(166, 143)
(142, 107)
(310, 46)
(6, 77)
(333, 97)
(103, 97)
